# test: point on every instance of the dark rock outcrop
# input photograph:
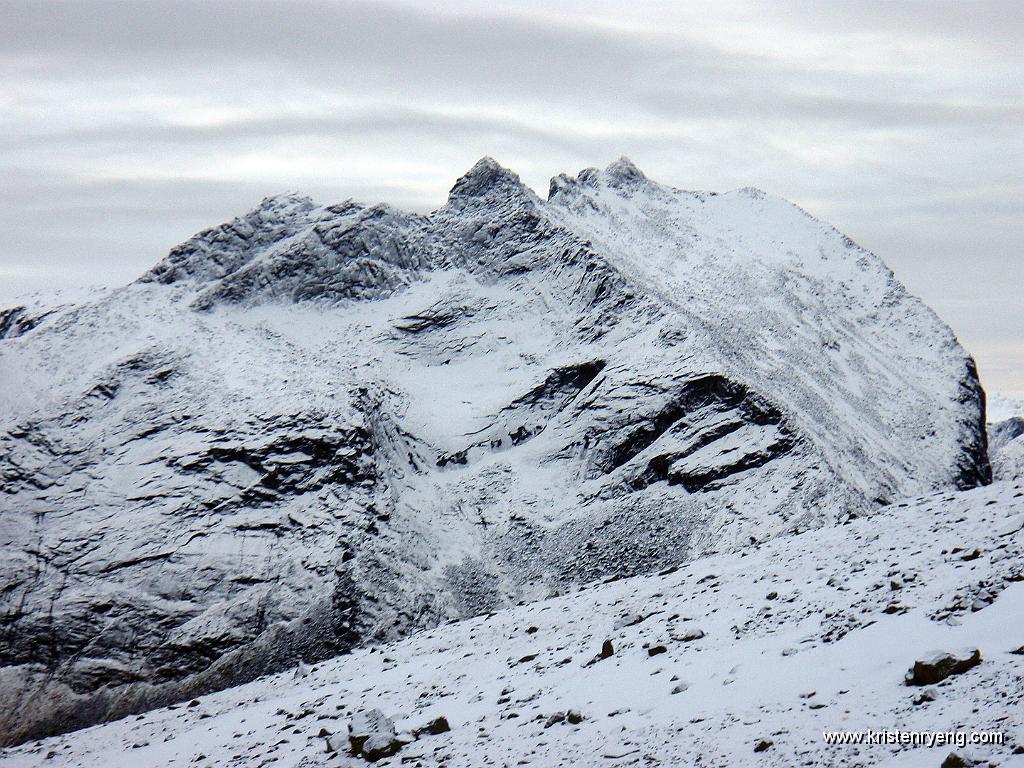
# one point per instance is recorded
(942, 664)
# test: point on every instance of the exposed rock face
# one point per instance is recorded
(18, 320)
(317, 427)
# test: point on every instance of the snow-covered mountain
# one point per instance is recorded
(1006, 437)
(317, 427)
(736, 659)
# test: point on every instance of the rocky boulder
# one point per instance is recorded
(372, 735)
(939, 665)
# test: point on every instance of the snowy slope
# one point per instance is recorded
(825, 346)
(317, 427)
(802, 634)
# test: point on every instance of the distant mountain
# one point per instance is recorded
(1006, 437)
(317, 427)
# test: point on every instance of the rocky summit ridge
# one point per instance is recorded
(318, 427)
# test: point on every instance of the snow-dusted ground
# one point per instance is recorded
(803, 634)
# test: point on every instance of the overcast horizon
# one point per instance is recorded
(128, 126)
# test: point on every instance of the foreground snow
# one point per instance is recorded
(806, 633)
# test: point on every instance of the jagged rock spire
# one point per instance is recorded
(485, 176)
(624, 171)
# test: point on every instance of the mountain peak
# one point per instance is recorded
(285, 200)
(624, 172)
(486, 174)
(218, 251)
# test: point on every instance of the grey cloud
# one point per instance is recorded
(991, 24)
(397, 120)
(372, 43)
(273, 47)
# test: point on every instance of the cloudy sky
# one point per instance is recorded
(126, 126)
